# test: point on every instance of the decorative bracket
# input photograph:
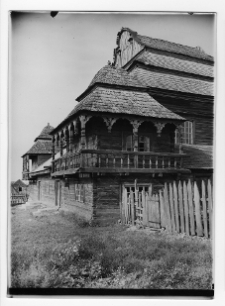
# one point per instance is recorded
(84, 119)
(136, 124)
(159, 127)
(109, 122)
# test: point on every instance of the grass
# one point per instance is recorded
(58, 250)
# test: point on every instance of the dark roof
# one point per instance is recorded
(172, 82)
(173, 63)
(40, 147)
(122, 101)
(45, 133)
(20, 183)
(114, 76)
(200, 157)
(164, 45)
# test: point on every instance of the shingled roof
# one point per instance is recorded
(40, 147)
(45, 133)
(173, 63)
(172, 82)
(115, 76)
(164, 45)
(124, 102)
(200, 156)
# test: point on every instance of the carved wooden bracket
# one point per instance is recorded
(84, 119)
(136, 124)
(159, 127)
(109, 122)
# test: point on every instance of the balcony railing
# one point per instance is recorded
(98, 160)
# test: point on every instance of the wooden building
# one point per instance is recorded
(145, 118)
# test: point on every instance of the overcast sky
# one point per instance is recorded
(53, 60)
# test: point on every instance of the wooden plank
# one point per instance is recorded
(191, 209)
(204, 210)
(166, 208)
(181, 208)
(144, 209)
(163, 211)
(176, 207)
(147, 201)
(197, 211)
(173, 225)
(132, 206)
(125, 205)
(186, 213)
(210, 208)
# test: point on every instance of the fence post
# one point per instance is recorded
(204, 210)
(186, 209)
(210, 207)
(181, 209)
(125, 206)
(176, 207)
(191, 210)
(197, 210)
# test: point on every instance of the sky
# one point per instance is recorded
(53, 60)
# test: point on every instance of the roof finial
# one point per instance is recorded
(109, 63)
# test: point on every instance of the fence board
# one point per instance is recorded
(197, 210)
(191, 209)
(145, 221)
(132, 206)
(181, 209)
(176, 207)
(210, 207)
(173, 225)
(186, 214)
(204, 210)
(165, 203)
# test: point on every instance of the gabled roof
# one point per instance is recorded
(173, 63)
(20, 183)
(200, 157)
(164, 45)
(122, 101)
(40, 147)
(172, 82)
(45, 133)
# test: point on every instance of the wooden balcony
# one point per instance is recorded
(99, 161)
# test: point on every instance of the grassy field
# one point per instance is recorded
(56, 250)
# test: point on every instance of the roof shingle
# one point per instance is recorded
(40, 147)
(164, 45)
(45, 133)
(124, 102)
(173, 63)
(172, 82)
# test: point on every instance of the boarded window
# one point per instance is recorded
(79, 192)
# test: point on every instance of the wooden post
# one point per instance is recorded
(176, 207)
(186, 208)
(181, 207)
(210, 208)
(197, 210)
(204, 210)
(125, 205)
(191, 210)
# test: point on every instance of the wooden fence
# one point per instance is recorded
(19, 199)
(182, 207)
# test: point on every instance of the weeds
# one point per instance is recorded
(68, 253)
